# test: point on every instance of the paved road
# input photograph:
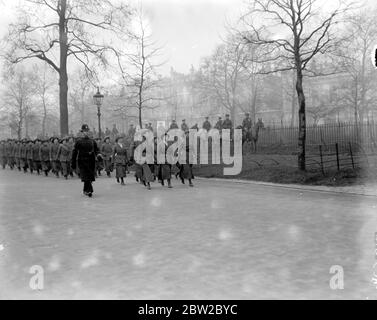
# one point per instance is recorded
(217, 240)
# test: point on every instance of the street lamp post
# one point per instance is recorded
(98, 100)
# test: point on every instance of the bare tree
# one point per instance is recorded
(359, 91)
(79, 95)
(139, 69)
(292, 32)
(222, 73)
(18, 92)
(44, 90)
(48, 29)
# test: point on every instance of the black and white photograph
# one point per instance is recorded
(188, 150)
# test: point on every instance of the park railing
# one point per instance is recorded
(285, 139)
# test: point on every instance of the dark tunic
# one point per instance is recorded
(84, 155)
(246, 124)
(120, 160)
(44, 155)
(219, 125)
(227, 124)
(207, 125)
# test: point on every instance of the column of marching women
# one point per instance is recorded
(55, 156)
(39, 156)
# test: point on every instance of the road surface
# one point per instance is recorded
(218, 240)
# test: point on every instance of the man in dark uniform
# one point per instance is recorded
(184, 126)
(174, 125)
(219, 124)
(246, 123)
(207, 125)
(84, 155)
(227, 124)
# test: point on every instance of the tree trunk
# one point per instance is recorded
(140, 120)
(44, 120)
(63, 75)
(293, 102)
(302, 121)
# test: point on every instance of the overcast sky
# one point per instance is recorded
(188, 29)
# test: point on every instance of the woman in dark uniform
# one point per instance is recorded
(84, 156)
(164, 167)
(120, 160)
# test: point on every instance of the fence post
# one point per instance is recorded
(353, 163)
(321, 155)
(337, 156)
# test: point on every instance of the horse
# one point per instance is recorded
(251, 135)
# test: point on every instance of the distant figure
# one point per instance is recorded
(115, 131)
(84, 155)
(184, 126)
(107, 132)
(227, 124)
(260, 123)
(150, 127)
(207, 125)
(174, 125)
(247, 123)
(131, 131)
(219, 124)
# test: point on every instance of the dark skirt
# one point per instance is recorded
(147, 173)
(45, 165)
(138, 171)
(66, 168)
(164, 172)
(185, 171)
(121, 170)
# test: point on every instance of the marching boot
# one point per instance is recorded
(169, 184)
(183, 181)
(46, 173)
(191, 184)
(118, 180)
(149, 186)
(109, 174)
(162, 183)
(66, 177)
(122, 182)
